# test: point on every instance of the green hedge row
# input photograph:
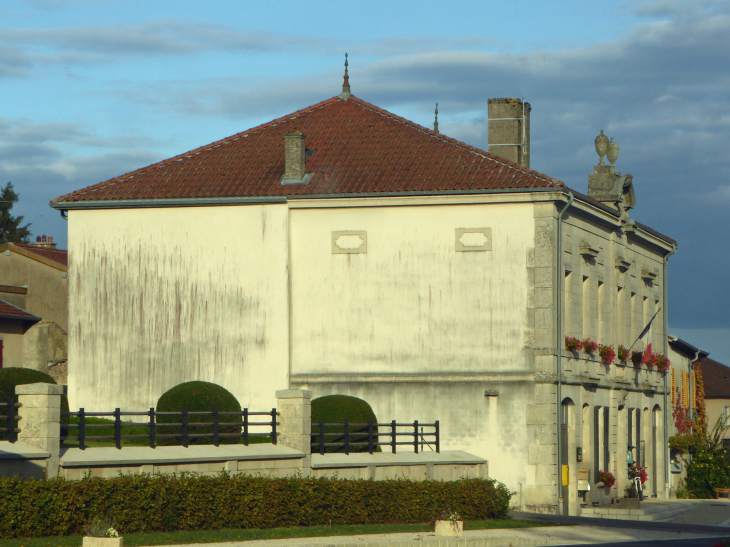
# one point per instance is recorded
(147, 503)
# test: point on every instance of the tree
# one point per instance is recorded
(10, 229)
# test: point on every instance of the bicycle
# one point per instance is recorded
(636, 473)
(635, 478)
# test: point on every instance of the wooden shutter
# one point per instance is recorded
(685, 389)
(694, 389)
(674, 388)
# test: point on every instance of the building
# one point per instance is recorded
(344, 249)
(34, 279)
(716, 380)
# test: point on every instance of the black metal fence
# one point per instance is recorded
(348, 436)
(215, 429)
(9, 420)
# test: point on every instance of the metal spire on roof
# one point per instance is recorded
(346, 83)
(436, 121)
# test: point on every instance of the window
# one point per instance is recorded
(685, 389)
(726, 415)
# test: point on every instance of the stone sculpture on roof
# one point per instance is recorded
(606, 184)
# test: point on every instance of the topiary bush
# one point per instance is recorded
(336, 409)
(16, 376)
(199, 397)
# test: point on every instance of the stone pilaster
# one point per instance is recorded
(295, 418)
(40, 420)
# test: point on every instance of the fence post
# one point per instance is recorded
(415, 436)
(393, 436)
(438, 437)
(347, 437)
(245, 426)
(370, 437)
(152, 427)
(118, 428)
(40, 421)
(295, 418)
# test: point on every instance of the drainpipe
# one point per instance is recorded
(558, 336)
(666, 353)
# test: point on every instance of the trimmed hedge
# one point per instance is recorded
(17, 376)
(159, 503)
(335, 409)
(199, 396)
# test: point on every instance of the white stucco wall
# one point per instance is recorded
(164, 296)
(411, 303)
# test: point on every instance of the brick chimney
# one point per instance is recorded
(294, 158)
(509, 130)
(44, 241)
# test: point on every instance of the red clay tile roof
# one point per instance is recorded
(353, 147)
(57, 255)
(716, 378)
(8, 311)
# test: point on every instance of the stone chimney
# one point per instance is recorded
(509, 130)
(43, 241)
(294, 158)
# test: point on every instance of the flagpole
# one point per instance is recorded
(646, 329)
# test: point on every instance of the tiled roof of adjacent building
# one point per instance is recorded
(8, 311)
(353, 147)
(57, 255)
(716, 378)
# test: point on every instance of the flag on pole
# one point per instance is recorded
(645, 331)
(647, 354)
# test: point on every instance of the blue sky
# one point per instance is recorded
(91, 89)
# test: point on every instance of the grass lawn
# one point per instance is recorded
(212, 536)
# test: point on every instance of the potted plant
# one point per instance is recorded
(573, 344)
(636, 357)
(589, 346)
(607, 353)
(100, 532)
(606, 479)
(449, 524)
(662, 362)
(623, 353)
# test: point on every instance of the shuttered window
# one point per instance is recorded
(674, 388)
(685, 389)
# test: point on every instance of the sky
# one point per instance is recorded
(92, 89)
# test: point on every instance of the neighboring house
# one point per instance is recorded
(33, 279)
(344, 249)
(683, 389)
(14, 324)
(716, 379)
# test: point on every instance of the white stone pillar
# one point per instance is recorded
(295, 417)
(40, 420)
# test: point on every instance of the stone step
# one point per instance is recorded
(656, 512)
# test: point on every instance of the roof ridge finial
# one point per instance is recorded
(436, 120)
(346, 83)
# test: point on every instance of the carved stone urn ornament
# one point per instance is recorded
(601, 146)
(612, 153)
(606, 184)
